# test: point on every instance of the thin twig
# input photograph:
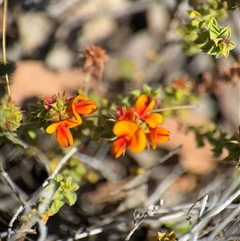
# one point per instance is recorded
(38, 154)
(16, 190)
(45, 183)
(64, 160)
(140, 179)
(182, 107)
(140, 215)
(223, 224)
(207, 216)
(42, 230)
(204, 202)
(5, 234)
(4, 25)
(235, 237)
(164, 185)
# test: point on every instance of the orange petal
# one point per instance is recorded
(118, 147)
(138, 141)
(131, 115)
(71, 122)
(85, 107)
(125, 129)
(80, 97)
(73, 100)
(158, 135)
(144, 105)
(153, 120)
(64, 136)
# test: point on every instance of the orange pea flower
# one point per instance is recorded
(158, 135)
(82, 106)
(130, 136)
(143, 107)
(63, 134)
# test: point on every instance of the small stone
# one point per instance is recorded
(60, 57)
(34, 29)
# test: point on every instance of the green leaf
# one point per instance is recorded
(212, 23)
(223, 47)
(58, 195)
(73, 187)
(199, 139)
(203, 38)
(194, 14)
(231, 45)
(32, 134)
(68, 182)
(147, 89)
(59, 178)
(135, 93)
(56, 205)
(70, 198)
(214, 32)
(213, 50)
(225, 32)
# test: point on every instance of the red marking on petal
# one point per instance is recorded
(118, 147)
(144, 105)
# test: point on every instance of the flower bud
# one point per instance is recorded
(10, 115)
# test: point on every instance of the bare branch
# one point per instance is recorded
(142, 178)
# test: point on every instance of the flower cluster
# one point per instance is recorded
(65, 114)
(137, 127)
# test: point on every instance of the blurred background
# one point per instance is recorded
(45, 39)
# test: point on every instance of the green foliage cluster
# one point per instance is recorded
(64, 193)
(203, 33)
(174, 97)
(219, 140)
(11, 116)
(126, 69)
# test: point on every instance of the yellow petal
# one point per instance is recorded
(144, 105)
(125, 129)
(52, 128)
(118, 147)
(153, 120)
(69, 123)
(138, 141)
